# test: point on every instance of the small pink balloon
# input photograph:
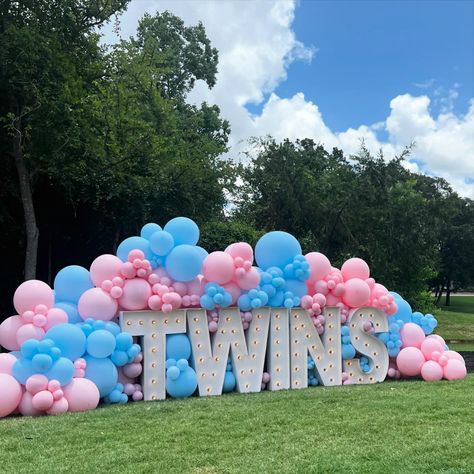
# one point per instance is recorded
(105, 267)
(410, 360)
(357, 293)
(212, 326)
(355, 268)
(412, 335)
(137, 396)
(319, 265)
(28, 331)
(58, 407)
(36, 383)
(82, 395)
(10, 394)
(454, 370)
(6, 363)
(454, 355)
(428, 346)
(25, 406)
(8, 331)
(234, 291)
(240, 250)
(180, 287)
(135, 294)
(218, 267)
(431, 371)
(43, 400)
(96, 303)
(55, 316)
(133, 370)
(54, 385)
(249, 280)
(32, 293)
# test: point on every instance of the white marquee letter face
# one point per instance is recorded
(326, 354)
(153, 326)
(368, 345)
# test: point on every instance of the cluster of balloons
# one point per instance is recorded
(181, 378)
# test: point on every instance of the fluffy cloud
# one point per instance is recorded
(256, 46)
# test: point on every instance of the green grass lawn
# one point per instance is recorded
(406, 427)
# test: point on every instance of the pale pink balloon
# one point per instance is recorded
(36, 383)
(218, 267)
(234, 291)
(43, 400)
(180, 287)
(56, 316)
(105, 267)
(412, 335)
(454, 355)
(10, 394)
(123, 379)
(6, 363)
(32, 293)
(431, 371)
(96, 303)
(135, 294)
(332, 300)
(438, 337)
(357, 293)
(82, 395)
(8, 330)
(59, 406)
(428, 346)
(319, 265)
(454, 370)
(410, 360)
(28, 331)
(240, 249)
(249, 280)
(26, 407)
(132, 370)
(355, 268)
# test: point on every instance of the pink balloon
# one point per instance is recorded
(428, 346)
(332, 300)
(180, 287)
(135, 294)
(32, 293)
(319, 265)
(36, 383)
(8, 330)
(6, 363)
(410, 360)
(10, 394)
(82, 395)
(56, 316)
(26, 407)
(240, 249)
(196, 286)
(105, 267)
(132, 370)
(218, 267)
(454, 355)
(431, 371)
(454, 370)
(249, 280)
(43, 400)
(96, 303)
(355, 268)
(234, 291)
(412, 335)
(438, 337)
(357, 293)
(28, 331)
(58, 407)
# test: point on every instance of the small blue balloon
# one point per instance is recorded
(70, 283)
(229, 382)
(161, 243)
(119, 358)
(124, 341)
(42, 362)
(348, 351)
(103, 373)
(69, 338)
(178, 347)
(100, 344)
(183, 230)
(183, 263)
(149, 229)
(133, 243)
(62, 371)
(276, 249)
(173, 373)
(297, 287)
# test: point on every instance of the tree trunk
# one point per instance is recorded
(26, 194)
(440, 294)
(448, 293)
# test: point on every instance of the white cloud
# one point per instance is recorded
(256, 46)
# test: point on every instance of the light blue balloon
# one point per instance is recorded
(244, 302)
(297, 287)
(183, 263)
(132, 243)
(70, 283)
(71, 310)
(277, 299)
(276, 249)
(184, 386)
(229, 382)
(161, 243)
(183, 230)
(103, 373)
(22, 369)
(149, 229)
(404, 311)
(69, 338)
(62, 371)
(100, 344)
(202, 252)
(178, 347)
(348, 351)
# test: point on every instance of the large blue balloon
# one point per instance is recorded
(297, 287)
(276, 249)
(133, 243)
(178, 347)
(183, 230)
(184, 263)
(103, 373)
(70, 283)
(184, 386)
(149, 229)
(203, 252)
(404, 311)
(100, 344)
(71, 311)
(69, 338)
(161, 243)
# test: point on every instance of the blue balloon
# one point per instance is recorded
(184, 386)
(348, 351)
(62, 371)
(161, 243)
(183, 230)
(178, 347)
(404, 311)
(71, 310)
(202, 252)
(184, 263)
(133, 243)
(149, 229)
(297, 287)
(229, 382)
(103, 373)
(277, 299)
(69, 338)
(100, 344)
(276, 249)
(70, 283)
(23, 369)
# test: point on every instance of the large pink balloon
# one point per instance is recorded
(96, 303)
(218, 267)
(454, 355)
(410, 360)
(81, 394)
(8, 330)
(29, 331)
(428, 346)
(105, 267)
(438, 337)
(32, 293)
(240, 249)
(135, 294)
(355, 268)
(10, 394)
(454, 370)
(319, 265)
(249, 279)
(431, 371)
(412, 335)
(6, 363)
(56, 316)
(357, 293)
